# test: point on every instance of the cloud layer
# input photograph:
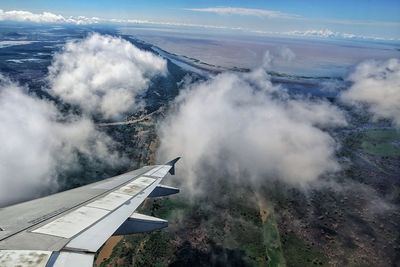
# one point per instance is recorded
(376, 86)
(44, 17)
(326, 33)
(244, 126)
(48, 17)
(103, 74)
(263, 13)
(37, 142)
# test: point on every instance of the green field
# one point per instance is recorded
(273, 243)
(382, 142)
(298, 253)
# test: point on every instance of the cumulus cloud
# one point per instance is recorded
(103, 74)
(44, 17)
(241, 125)
(243, 12)
(376, 86)
(37, 143)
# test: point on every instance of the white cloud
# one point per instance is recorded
(242, 126)
(37, 143)
(4, 44)
(103, 74)
(326, 33)
(100, 74)
(170, 23)
(44, 17)
(243, 12)
(376, 85)
(48, 17)
(286, 54)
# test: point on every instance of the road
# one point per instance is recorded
(126, 122)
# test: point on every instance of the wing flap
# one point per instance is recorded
(140, 223)
(67, 259)
(163, 190)
(95, 236)
(73, 223)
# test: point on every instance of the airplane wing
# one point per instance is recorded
(67, 228)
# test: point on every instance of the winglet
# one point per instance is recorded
(172, 164)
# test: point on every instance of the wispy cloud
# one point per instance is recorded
(359, 22)
(262, 13)
(265, 13)
(170, 23)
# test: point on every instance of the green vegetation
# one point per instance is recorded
(250, 240)
(298, 253)
(166, 207)
(116, 252)
(382, 142)
(273, 243)
(350, 143)
(227, 230)
(151, 249)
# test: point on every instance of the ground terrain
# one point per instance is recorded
(345, 224)
(350, 218)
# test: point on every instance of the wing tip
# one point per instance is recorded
(172, 164)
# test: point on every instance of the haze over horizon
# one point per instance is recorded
(355, 19)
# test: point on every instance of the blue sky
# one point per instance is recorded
(361, 17)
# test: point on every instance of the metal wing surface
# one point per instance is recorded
(67, 228)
